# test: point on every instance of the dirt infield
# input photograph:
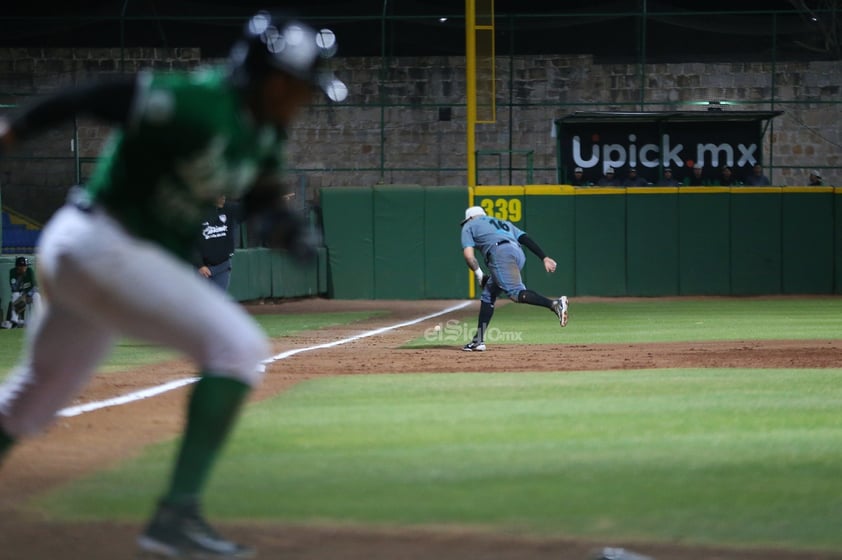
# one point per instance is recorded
(82, 444)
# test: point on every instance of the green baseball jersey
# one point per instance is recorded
(189, 139)
(21, 282)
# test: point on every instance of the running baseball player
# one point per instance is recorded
(114, 261)
(499, 242)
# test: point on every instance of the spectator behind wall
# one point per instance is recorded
(579, 178)
(634, 180)
(696, 179)
(668, 180)
(757, 178)
(608, 180)
(815, 179)
(727, 179)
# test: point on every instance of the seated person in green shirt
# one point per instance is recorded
(24, 294)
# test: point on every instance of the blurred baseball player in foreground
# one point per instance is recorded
(113, 261)
(499, 242)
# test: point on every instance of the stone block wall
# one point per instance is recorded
(394, 127)
(35, 178)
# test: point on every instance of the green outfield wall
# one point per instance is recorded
(390, 242)
(264, 273)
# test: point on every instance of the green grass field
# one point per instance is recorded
(744, 457)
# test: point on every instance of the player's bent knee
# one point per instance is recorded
(241, 359)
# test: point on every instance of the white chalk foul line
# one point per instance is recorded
(172, 385)
(375, 332)
(125, 399)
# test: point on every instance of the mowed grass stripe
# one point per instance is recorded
(741, 457)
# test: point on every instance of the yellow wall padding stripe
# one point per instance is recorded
(499, 191)
(544, 190)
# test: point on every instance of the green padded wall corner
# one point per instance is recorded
(601, 244)
(240, 274)
(550, 219)
(755, 242)
(652, 244)
(348, 214)
(6, 263)
(837, 240)
(258, 273)
(445, 273)
(290, 278)
(807, 248)
(704, 242)
(321, 282)
(398, 242)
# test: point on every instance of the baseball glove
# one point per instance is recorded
(285, 229)
(19, 305)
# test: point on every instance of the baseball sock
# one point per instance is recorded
(534, 298)
(212, 411)
(486, 310)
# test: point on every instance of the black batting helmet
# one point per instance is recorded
(21, 261)
(272, 42)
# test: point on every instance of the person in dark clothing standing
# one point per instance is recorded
(216, 243)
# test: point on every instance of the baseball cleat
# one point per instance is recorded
(474, 346)
(181, 532)
(560, 307)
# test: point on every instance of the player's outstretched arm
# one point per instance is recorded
(549, 264)
(277, 225)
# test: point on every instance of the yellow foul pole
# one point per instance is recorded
(471, 105)
(471, 93)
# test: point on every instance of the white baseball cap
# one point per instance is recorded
(473, 212)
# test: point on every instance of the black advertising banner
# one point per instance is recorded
(652, 145)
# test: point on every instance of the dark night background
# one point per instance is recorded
(611, 30)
